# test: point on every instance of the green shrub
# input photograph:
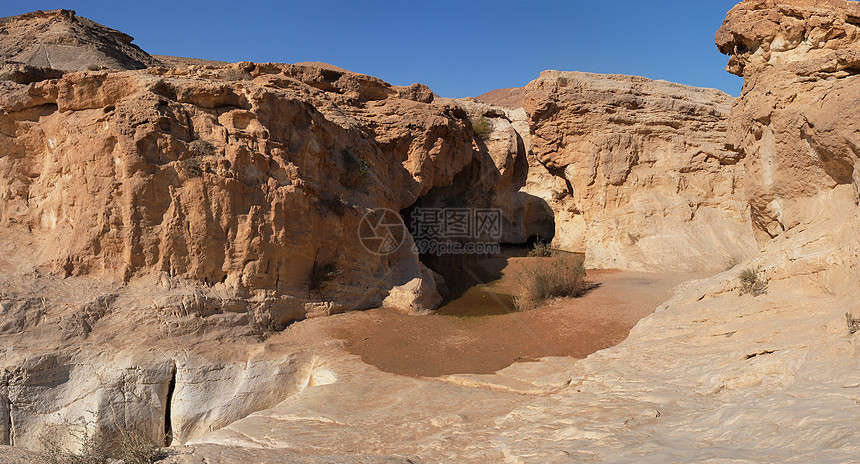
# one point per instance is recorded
(540, 250)
(482, 127)
(547, 279)
(358, 171)
(751, 282)
(364, 167)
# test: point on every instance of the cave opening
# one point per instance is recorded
(471, 230)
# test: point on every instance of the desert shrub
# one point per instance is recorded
(94, 67)
(751, 282)
(130, 446)
(540, 250)
(547, 279)
(194, 165)
(853, 324)
(358, 171)
(200, 147)
(364, 167)
(563, 81)
(234, 75)
(732, 262)
(482, 127)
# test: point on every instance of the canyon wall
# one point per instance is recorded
(645, 178)
(794, 126)
(246, 177)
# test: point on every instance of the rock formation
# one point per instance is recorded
(712, 375)
(793, 127)
(60, 39)
(244, 178)
(158, 227)
(644, 178)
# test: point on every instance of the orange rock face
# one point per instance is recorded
(247, 177)
(800, 60)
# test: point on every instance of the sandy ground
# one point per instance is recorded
(438, 345)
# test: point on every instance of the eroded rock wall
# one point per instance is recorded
(645, 179)
(795, 128)
(242, 178)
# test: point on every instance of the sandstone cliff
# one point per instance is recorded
(712, 376)
(244, 178)
(644, 178)
(794, 128)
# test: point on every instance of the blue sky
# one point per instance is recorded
(458, 48)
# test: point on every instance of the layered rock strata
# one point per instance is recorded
(644, 178)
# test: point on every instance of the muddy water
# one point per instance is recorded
(479, 285)
(486, 340)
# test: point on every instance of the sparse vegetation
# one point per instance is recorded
(634, 238)
(752, 283)
(94, 67)
(194, 165)
(201, 147)
(482, 127)
(853, 324)
(540, 250)
(358, 171)
(562, 81)
(732, 262)
(234, 75)
(129, 446)
(547, 279)
(364, 167)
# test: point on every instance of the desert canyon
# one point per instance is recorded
(179, 253)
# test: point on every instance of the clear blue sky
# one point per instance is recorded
(458, 48)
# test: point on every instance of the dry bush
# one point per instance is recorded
(547, 279)
(482, 127)
(130, 446)
(751, 282)
(732, 262)
(540, 250)
(853, 323)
